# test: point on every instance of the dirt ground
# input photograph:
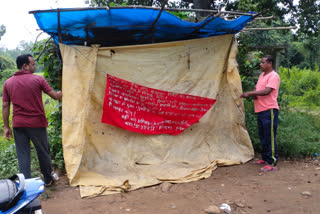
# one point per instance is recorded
(293, 188)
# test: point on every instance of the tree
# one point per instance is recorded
(278, 8)
(6, 63)
(2, 30)
(308, 17)
(23, 48)
(7, 68)
(46, 52)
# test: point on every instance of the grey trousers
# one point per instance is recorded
(39, 138)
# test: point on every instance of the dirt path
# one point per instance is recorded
(242, 187)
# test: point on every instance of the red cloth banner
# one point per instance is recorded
(150, 111)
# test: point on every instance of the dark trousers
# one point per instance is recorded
(39, 138)
(267, 126)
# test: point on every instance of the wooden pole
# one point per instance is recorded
(259, 14)
(153, 26)
(264, 18)
(253, 17)
(45, 45)
(59, 26)
(258, 18)
(271, 28)
(204, 24)
(143, 7)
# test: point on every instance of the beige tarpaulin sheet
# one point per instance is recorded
(104, 159)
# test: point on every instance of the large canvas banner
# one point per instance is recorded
(105, 159)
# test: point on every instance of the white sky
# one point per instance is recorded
(20, 25)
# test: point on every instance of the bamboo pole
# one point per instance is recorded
(264, 18)
(167, 26)
(115, 26)
(271, 28)
(253, 17)
(207, 22)
(59, 26)
(260, 14)
(45, 45)
(258, 18)
(155, 21)
(143, 7)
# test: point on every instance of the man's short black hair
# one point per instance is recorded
(269, 59)
(23, 59)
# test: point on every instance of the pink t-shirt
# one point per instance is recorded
(24, 90)
(263, 103)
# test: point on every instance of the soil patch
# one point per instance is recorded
(293, 188)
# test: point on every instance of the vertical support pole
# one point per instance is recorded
(153, 26)
(87, 36)
(59, 26)
(277, 60)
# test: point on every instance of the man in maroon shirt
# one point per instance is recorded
(24, 91)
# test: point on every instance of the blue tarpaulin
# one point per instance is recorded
(128, 26)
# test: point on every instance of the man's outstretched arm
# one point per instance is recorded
(264, 92)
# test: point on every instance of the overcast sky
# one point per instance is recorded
(20, 25)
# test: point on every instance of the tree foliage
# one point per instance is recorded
(47, 55)
(2, 30)
(7, 68)
(23, 48)
(307, 15)
(6, 63)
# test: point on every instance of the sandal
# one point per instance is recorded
(260, 162)
(268, 168)
(49, 184)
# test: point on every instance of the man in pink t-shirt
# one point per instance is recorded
(24, 91)
(266, 107)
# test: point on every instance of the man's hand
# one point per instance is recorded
(59, 95)
(55, 95)
(8, 133)
(255, 94)
(245, 95)
(5, 116)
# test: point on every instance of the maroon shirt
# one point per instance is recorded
(24, 90)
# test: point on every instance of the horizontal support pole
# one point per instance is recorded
(270, 28)
(143, 7)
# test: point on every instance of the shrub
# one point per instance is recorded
(301, 87)
(298, 134)
(8, 159)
